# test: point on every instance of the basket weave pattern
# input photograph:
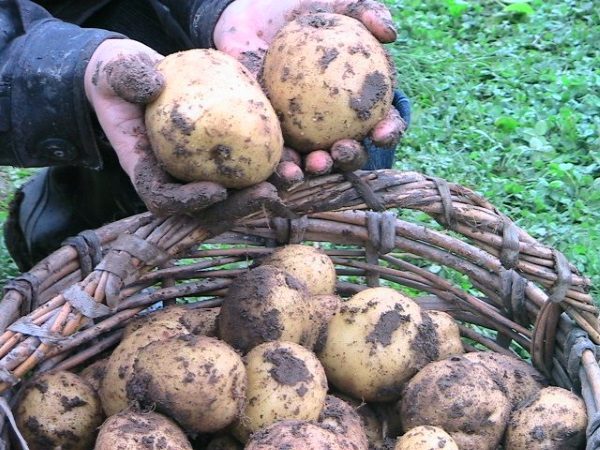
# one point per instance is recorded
(73, 304)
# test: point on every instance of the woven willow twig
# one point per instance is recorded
(501, 261)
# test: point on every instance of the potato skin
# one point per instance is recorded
(554, 419)
(295, 435)
(130, 430)
(426, 438)
(212, 122)
(460, 397)
(341, 418)
(375, 343)
(448, 333)
(328, 79)
(196, 320)
(59, 410)
(285, 381)
(197, 380)
(94, 373)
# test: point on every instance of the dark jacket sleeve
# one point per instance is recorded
(191, 21)
(45, 118)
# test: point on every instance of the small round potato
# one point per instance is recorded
(130, 430)
(370, 420)
(462, 398)
(196, 320)
(308, 264)
(59, 410)
(341, 418)
(554, 419)
(448, 334)
(519, 379)
(377, 341)
(212, 122)
(197, 380)
(262, 305)
(94, 373)
(426, 438)
(295, 435)
(324, 307)
(328, 79)
(285, 381)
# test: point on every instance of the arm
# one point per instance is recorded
(45, 117)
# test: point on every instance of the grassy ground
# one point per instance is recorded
(506, 101)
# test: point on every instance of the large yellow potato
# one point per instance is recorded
(212, 122)
(375, 344)
(59, 410)
(328, 79)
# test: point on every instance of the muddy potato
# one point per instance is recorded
(341, 418)
(285, 381)
(94, 373)
(377, 341)
(519, 379)
(196, 320)
(295, 435)
(212, 122)
(426, 438)
(58, 410)
(554, 419)
(308, 264)
(462, 398)
(264, 304)
(370, 420)
(328, 79)
(197, 380)
(130, 430)
(448, 334)
(323, 307)
(119, 368)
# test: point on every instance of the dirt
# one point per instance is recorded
(41, 385)
(329, 55)
(348, 155)
(388, 322)
(374, 89)
(220, 155)
(253, 60)
(426, 342)
(134, 78)
(181, 121)
(38, 434)
(70, 403)
(287, 369)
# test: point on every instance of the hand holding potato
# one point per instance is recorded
(119, 79)
(245, 32)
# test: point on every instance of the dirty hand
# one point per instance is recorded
(120, 79)
(245, 30)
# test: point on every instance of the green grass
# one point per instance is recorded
(508, 104)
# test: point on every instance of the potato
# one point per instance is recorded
(370, 420)
(295, 435)
(519, 379)
(554, 419)
(328, 79)
(377, 341)
(195, 320)
(341, 418)
(308, 264)
(285, 381)
(426, 438)
(264, 304)
(462, 398)
(58, 410)
(119, 368)
(448, 334)
(224, 442)
(197, 380)
(323, 307)
(212, 122)
(94, 373)
(130, 430)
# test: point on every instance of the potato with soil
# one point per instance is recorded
(196, 320)
(94, 373)
(285, 381)
(341, 418)
(262, 305)
(554, 419)
(519, 379)
(328, 79)
(370, 420)
(462, 398)
(377, 341)
(212, 122)
(224, 442)
(308, 264)
(131, 430)
(197, 380)
(448, 334)
(58, 410)
(426, 438)
(119, 368)
(323, 308)
(295, 435)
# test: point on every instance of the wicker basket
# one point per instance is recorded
(470, 261)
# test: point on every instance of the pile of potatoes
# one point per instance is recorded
(285, 363)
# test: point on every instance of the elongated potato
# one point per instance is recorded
(212, 122)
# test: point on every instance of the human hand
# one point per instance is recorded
(245, 30)
(120, 79)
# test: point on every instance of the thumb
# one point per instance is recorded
(134, 78)
(245, 46)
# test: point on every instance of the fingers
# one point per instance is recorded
(373, 15)
(287, 175)
(318, 162)
(134, 78)
(245, 46)
(348, 155)
(388, 131)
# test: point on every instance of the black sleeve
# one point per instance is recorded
(45, 118)
(191, 21)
